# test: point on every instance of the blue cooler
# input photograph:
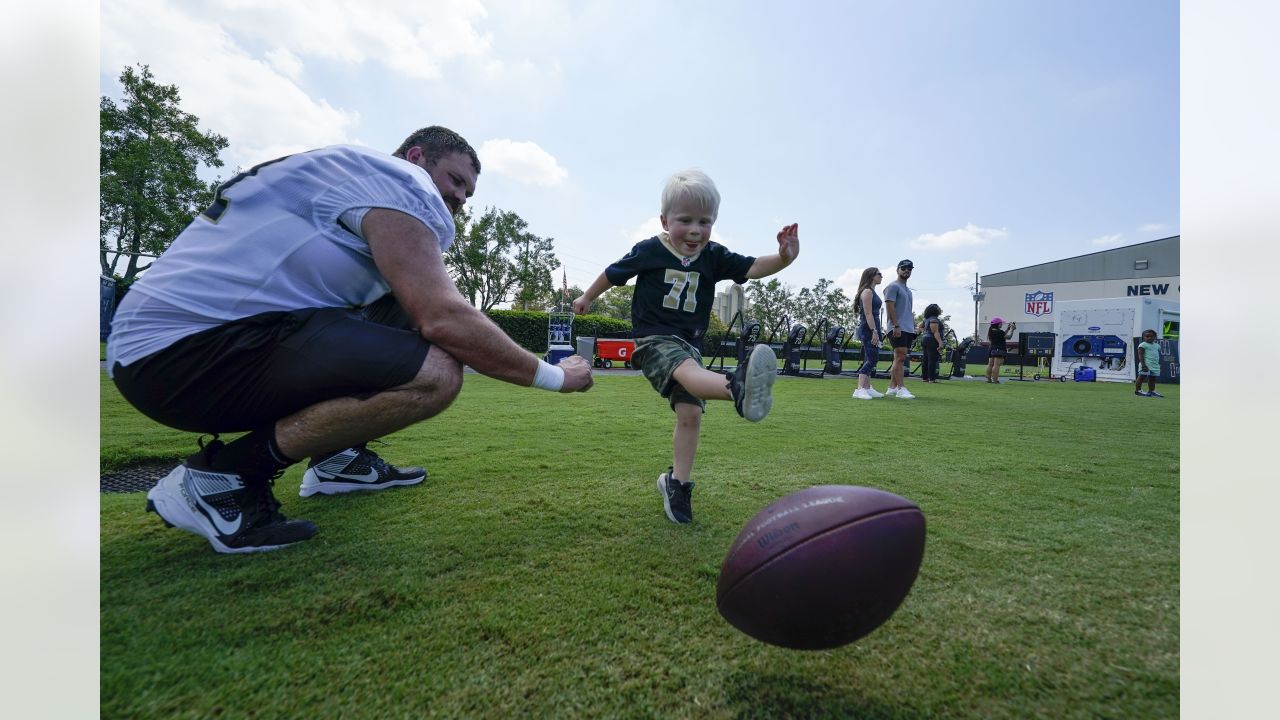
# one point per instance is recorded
(1086, 374)
(556, 353)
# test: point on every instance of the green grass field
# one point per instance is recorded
(534, 573)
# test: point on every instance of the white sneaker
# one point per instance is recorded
(905, 394)
(874, 393)
(862, 394)
(353, 469)
(892, 391)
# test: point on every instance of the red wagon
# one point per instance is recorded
(610, 349)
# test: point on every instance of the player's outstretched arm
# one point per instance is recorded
(788, 251)
(582, 303)
(408, 256)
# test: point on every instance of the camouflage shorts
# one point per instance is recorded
(658, 356)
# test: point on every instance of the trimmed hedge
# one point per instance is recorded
(529, 328)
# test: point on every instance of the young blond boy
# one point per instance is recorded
(676, 273)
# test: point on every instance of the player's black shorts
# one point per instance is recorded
(251, 372)
(997, 352)
(902, 341)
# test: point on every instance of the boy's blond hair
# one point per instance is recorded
(691, 184)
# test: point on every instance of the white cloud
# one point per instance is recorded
(960, 274)
(415, 39)
(1151, 227)
(957, 304)
(221, 82)
(524, 162)
(848, 280)
(285, 62)
(240, 64)
(1109, 239)
(646, 229)
(967, 236)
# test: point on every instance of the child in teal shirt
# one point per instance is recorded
(1148, 364)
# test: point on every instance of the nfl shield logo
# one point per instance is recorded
(1039, 303)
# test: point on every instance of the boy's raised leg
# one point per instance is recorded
(751, 384)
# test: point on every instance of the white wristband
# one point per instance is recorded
(548, 377)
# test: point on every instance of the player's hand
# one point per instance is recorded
(580, 305)
(577, 374)
(789, 242)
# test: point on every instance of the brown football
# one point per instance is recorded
(822, 567)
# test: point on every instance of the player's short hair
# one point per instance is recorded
(436, 142)
(691, 184)
(1150, 330)
(933, 310)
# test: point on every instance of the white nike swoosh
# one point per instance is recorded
(368, 476)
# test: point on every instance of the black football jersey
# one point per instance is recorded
(673, 293)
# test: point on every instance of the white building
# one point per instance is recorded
(1029, 295)
(729, 302)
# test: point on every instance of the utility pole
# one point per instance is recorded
(978, 297)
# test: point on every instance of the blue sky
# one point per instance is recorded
(967, 136)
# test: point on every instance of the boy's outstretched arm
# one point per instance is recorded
(788, 249)
(583, 303)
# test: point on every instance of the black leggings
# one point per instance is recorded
(932, 356)
(870, 353)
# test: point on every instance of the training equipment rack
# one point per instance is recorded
(559, 336)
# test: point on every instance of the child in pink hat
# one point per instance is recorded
(997, 335)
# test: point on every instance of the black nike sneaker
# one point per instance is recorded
(751, 383)
(676, 497)
(352, 470)
(234, 516)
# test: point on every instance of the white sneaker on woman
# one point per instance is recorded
(862, 394)
(874, 393)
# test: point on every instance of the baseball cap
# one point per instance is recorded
(997, 320)
(905, 264)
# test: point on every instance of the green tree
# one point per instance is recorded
(823, 302)
(495, 258)
(716, 329)
(533, 260)
(149, 153)
(770, 303)
(615, 302)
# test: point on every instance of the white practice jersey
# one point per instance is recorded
(272, 241)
